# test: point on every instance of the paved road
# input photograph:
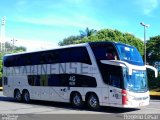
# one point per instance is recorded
(10, 106)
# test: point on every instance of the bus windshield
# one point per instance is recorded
(129, 54)
(136, 82)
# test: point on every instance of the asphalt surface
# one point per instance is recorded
(45, 109)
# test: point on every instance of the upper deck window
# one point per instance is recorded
(105, 52)
(73, 54)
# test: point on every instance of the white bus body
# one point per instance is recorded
(78, 73)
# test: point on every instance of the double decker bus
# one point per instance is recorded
(96, 73)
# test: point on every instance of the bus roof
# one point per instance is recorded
(61, 47)
(68, 46)
(107, 42)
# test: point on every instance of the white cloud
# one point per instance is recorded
(147, 6)
(80, 21)
(34, 45)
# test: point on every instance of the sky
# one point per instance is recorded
(41, 24)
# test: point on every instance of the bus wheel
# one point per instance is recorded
(26, 96)
(18, 96)
(93, 102)
(76, 100)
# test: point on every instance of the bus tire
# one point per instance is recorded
(76, 100)
(93, 102)
(26, 96)
(18, 95)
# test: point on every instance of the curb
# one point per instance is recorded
(153, 93)
(1, 88)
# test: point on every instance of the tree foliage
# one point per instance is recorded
(9, 49)
(87, 32)
(105, 35)
(13, 49)
(153, 49)
(69, 40)
(153, 56)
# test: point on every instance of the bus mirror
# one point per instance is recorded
(152, 68)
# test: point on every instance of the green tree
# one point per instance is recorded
(13, 49)
(87, 32)
(105, 35)
(69, 40)
(115, 36)
(153, 56)
(73, 39)
(153, 49)
(9, 49)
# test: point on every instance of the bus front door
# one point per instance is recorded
(114, 89)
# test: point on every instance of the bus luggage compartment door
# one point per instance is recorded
(115, 96)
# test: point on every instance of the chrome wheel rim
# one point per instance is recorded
(18, 96)
(26, 96)
(77, 100)
(93, 102)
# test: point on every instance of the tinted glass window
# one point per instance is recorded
(129, 54)
(34, 80)
(107, 52)
(7, 61)
(53, 80)
(49, 57)
(67, 80)
(79, 54)
(52, 57)
(11, 60)
(112, 75)
(64, 55)
(114, 80)
(42, 58)
(75, 54)
(87, 81)
(28, 59)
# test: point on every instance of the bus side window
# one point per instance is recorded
(28, 60)
(42, 58)
(10, 61)
(79, 54)
(53, 80)
(52, 57)
(63, 56)
(111, 53)
(34, 80)
(114, 81)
